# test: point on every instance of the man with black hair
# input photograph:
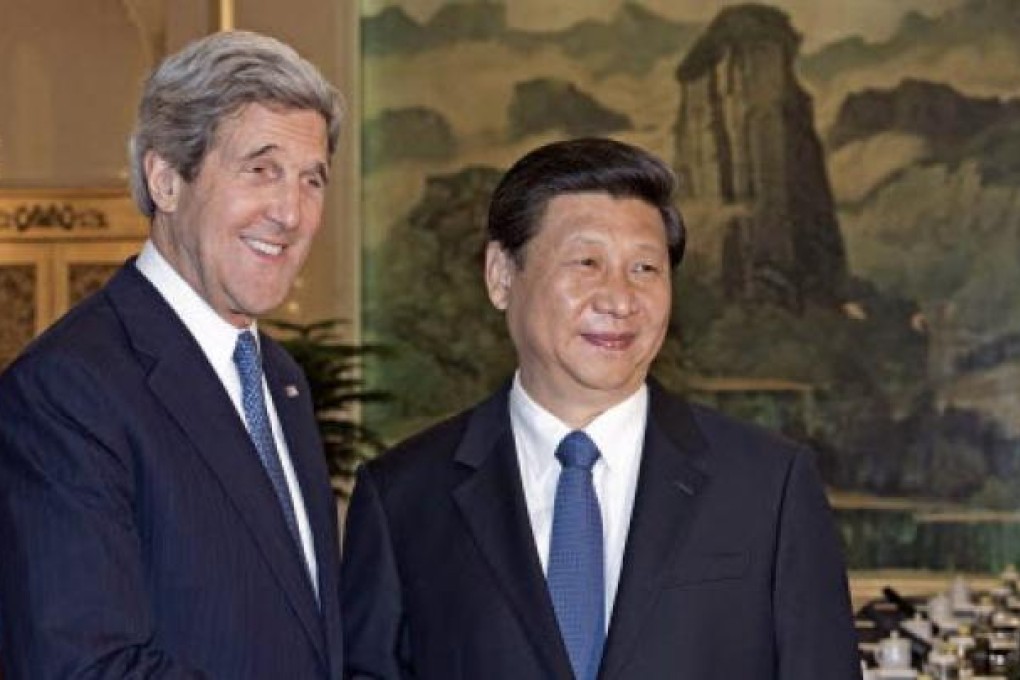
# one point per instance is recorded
(583, 522)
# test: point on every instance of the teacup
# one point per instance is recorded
(942, 665)
(893, 652)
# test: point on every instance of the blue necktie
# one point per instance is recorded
(249, 366)
(576, 575)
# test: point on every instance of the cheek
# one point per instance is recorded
(659, 303)
(568, 297)
(312, 213)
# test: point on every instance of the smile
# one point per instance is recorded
(270, 249)
(610, 341)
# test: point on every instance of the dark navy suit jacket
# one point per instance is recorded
(139, 534)
(732, 568)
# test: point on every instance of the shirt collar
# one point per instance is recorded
(214, 334)
(617, 431)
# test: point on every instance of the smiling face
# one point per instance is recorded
(239, 232)
(588, 308)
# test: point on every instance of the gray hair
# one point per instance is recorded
(193, 91)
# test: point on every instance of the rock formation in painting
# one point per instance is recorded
(746, 146)
(549, 104)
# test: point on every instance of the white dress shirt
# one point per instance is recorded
(619, 434)
(217, 339)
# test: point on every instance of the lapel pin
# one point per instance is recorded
(684, 487)
(291, 391)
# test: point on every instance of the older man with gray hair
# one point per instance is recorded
(165, 509)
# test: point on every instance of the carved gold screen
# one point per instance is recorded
(57, 247)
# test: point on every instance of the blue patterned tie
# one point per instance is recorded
(576, 573)
(249, 366)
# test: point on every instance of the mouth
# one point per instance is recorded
(264, 247)
(615, 342)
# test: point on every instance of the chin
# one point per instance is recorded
(264, 302)
(612, 383)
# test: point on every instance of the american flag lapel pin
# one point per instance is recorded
(291, 391)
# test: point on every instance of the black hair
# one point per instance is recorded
(578, 166)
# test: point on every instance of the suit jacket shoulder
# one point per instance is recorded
(467, 433)
(716, 441)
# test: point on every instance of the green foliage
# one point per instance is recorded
(450, 345)
(550, 104)
(415, 132)
(958, 469)
(998, 153)
(333, 368)
(998, 494)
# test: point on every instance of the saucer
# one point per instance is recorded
(894, 673)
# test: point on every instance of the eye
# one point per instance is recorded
(647, 268)
(582, 257)
(261, 170)
(584, 263)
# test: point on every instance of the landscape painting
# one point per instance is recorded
(849, 173)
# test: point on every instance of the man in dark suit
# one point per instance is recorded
(165, 509)
(583, 522)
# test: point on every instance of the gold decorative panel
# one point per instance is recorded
(82, 268)
(68, 215)
(17, 297)
(56, 248)
(85, 279)
(25, 296)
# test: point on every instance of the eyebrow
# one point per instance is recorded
(259, 152)
(321, 169)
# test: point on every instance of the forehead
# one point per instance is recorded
(262, 124)
(591, 213)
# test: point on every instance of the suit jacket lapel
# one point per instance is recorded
(492, 503)
(305, 448)
(666, 500)
(187, 386)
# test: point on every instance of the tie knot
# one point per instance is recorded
(577, 450)
(246, 352)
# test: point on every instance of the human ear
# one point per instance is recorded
(499, 272)
(164, 182)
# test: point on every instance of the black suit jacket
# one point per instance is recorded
(139, 533)
(732, 568)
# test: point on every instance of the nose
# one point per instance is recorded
(285, 208)
(616, 295)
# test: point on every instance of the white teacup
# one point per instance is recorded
(959, 593)
(893, 652)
